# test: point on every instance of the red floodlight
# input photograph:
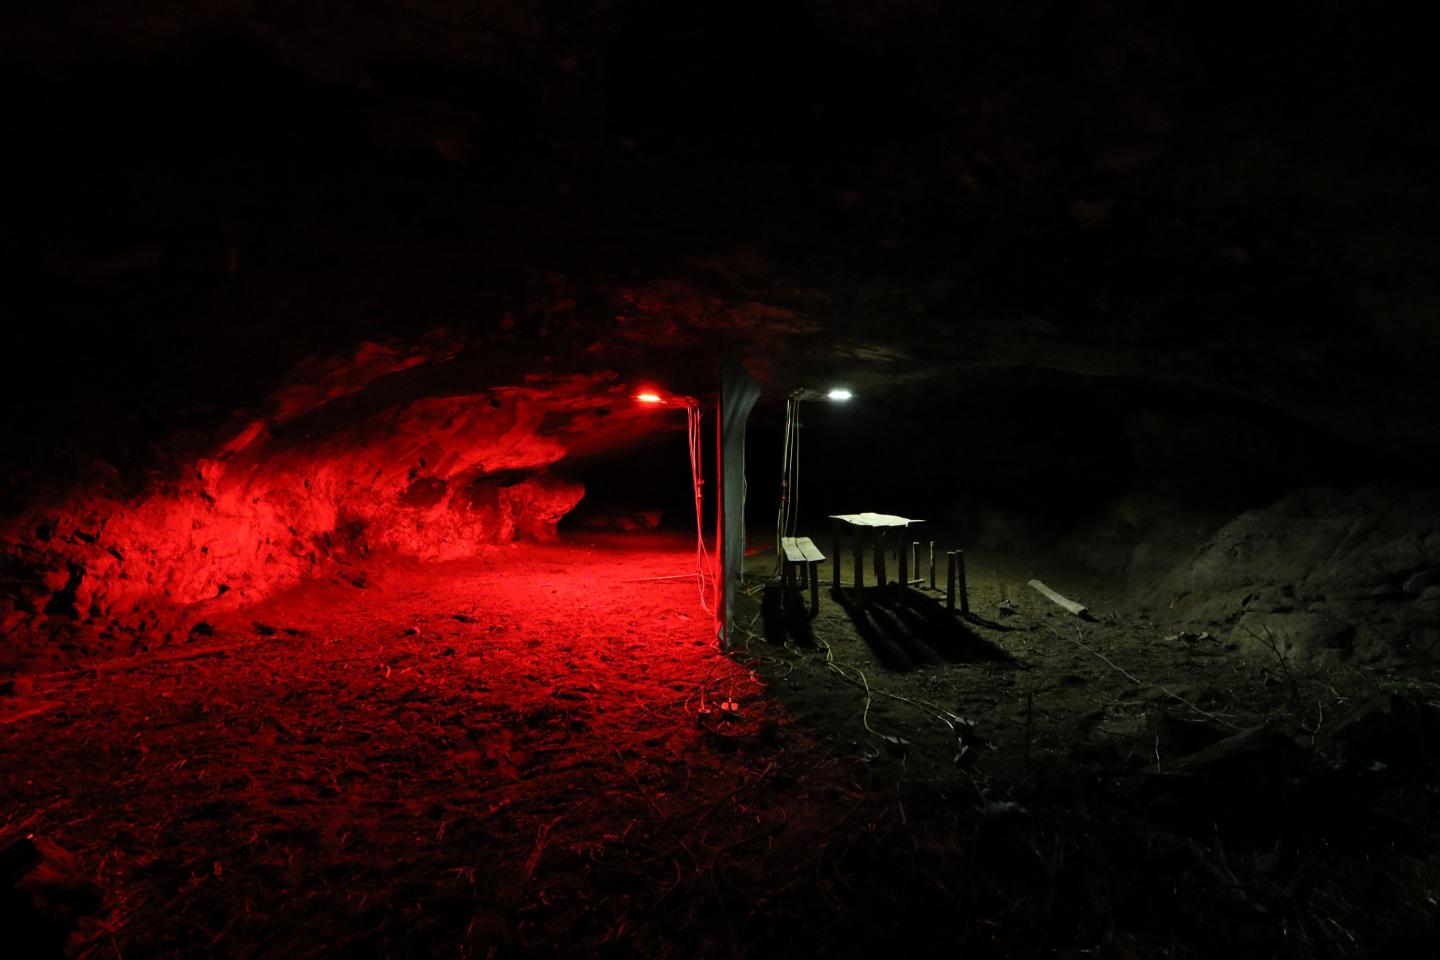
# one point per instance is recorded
(704, 573)
(657, 399)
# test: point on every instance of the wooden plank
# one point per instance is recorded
(874, 519)
(807, 547)
(800, 550)
(1065, 602)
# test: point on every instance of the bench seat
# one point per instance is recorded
(801, 554)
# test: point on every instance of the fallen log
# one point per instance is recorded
(1064, 602)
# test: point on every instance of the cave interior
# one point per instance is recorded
(348, 589)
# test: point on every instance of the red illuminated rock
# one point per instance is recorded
(428, 475)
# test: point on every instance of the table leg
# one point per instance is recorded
(814, 590)
(963, 588)
(879, 557)
(859, 534)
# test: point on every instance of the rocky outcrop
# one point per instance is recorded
(1319, 576)
(345, 466)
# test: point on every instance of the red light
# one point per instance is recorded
(649, 398)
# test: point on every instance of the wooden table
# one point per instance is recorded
(861, 526)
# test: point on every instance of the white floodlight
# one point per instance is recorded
(810, 393)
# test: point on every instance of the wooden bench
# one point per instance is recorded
(801, 555)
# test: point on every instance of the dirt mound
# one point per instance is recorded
(1321, 576)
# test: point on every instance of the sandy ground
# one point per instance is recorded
(541, 752)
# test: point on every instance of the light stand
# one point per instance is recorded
(786, 517)
(705, 576)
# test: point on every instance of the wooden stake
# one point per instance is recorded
(835, 554)
(964, 590)
(932, 564)
(950, 580)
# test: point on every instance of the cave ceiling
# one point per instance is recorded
(226, 204)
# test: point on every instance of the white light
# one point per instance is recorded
(839, 393)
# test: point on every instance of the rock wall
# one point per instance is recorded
(1319, 577)
(342, 469)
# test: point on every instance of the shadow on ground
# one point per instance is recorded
(903, 628)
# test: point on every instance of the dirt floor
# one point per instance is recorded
(541, 753)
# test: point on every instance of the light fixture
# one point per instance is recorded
(657, 399)
(787, 516)
(704, 569)
(810, 393)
